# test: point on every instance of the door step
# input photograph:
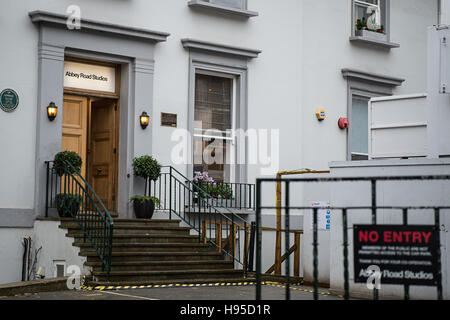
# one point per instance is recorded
(129, 276)
(110, 285)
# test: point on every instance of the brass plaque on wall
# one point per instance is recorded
(169, 119)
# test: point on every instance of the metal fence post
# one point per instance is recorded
(345, 235)
(438, 229)
(405, 223)
(286, 241)
(258, 240)
(315, 257)
(170, 193)
(374, 219)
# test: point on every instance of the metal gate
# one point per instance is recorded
(345, 212)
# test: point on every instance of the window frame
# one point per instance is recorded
(366, 85)
(222, 9)
(356, 93)
(233, 113)
(385, 14)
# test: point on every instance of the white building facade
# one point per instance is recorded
(270, 64)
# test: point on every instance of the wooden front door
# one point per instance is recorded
(74, 127)
(102, 151)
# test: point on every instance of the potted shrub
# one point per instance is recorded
(148, 168)
(144, 206)
(69, 156)
(67, 204)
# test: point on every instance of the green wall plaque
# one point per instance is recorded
(9, 100)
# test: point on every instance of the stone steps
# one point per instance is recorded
(133, 276)
(142, 238)
(164, 265)
(156, 256)
(153, 251)
(122, 223)
(175, 282)
(148, 247)
(135, 229)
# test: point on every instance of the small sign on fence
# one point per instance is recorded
(406, 255)
(323, 215)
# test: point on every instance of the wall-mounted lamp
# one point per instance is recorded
(145, 120)
(52, 111)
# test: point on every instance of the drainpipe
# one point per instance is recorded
(439, 17)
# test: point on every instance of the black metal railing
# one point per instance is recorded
(239, 196)
(72, 196)
(345, 211)
(215, 224)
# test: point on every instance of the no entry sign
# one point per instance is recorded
(404, 254)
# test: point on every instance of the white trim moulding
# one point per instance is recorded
(45, 17)
(371, 77)
(220, 48)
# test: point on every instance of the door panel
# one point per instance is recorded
(102, 158)
(74, 127)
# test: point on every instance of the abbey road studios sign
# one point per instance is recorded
(89, 76)
(9, 100)
(404, 254)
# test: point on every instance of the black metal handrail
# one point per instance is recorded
(345, 211)
(217, 225)
(235, 195)
(72, 196)
(231, 195)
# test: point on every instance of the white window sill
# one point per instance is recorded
(215, 7)
(372, 41)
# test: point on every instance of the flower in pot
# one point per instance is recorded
(148, 168)
(68, 205)
(144, 206)
(204, 182)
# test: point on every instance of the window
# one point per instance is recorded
(213, 116)
(359, 142)
(370, 22)
(363, 9)
(227, 7)
(59, 268)
(361, 87)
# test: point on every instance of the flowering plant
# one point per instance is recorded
(203, 177)
(211, 187)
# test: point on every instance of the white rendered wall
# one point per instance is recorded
(298, 71)
(46, 234)
(11, 253)
(56, 247)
